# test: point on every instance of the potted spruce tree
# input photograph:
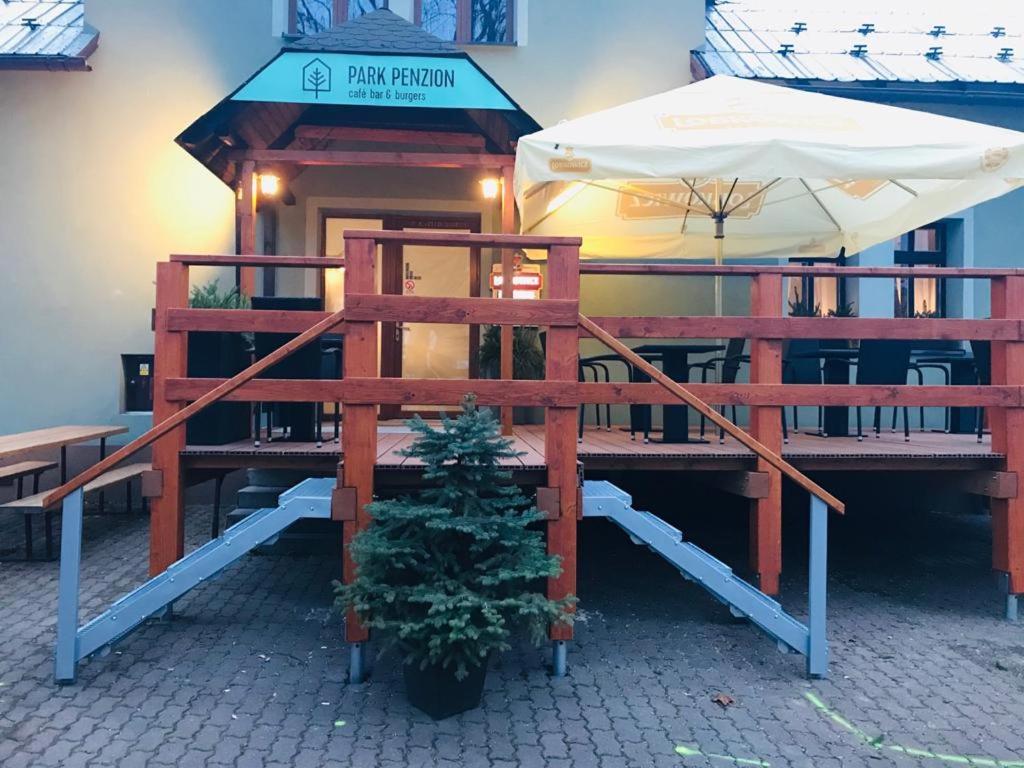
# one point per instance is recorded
(448, 575)
(527, 364)
(218, 355)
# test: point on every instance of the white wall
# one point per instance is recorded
(585, 55)
(94, 191)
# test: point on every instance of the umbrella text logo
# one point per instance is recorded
(570, 163)
(672, 200)
(750, 121)
(994, 159)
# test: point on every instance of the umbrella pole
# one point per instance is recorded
(719, 260)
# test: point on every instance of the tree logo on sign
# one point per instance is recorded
(316, 78)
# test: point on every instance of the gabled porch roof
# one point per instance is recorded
(375, 80)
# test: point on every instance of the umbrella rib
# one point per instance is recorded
(821, 205)
(759, 192)
(904, 187)
(700, 197)
(636, 192)
(732, 189)
(778, 200)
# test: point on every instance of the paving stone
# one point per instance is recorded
(920, 657)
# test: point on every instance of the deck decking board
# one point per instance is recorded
(601, 449)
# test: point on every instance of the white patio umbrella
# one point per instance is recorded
(730, 168)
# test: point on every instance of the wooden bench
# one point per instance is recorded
(33, 505)
(15, 474)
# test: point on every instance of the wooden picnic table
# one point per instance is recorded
(54, 437)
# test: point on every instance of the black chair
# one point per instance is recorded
(883, 361)
(598, 366)
(933, 355)
(730, 363)
(298, 420)
(332, 366)
(799, 366)
(982, 351)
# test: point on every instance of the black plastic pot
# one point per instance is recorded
(217, 355)
(436, 691)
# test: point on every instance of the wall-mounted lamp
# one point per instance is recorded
(270, 185)
(490, 187)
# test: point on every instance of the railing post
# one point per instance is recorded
(66, 666)
(245, 220)
(508, 218)
(766, 426)
(1008, 438)
(167, 519)
(560, 437)
(817, 590)
(359, 433)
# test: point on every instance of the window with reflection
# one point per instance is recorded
(818, 296)
(307, 17)
(468, 21)
(920, 296)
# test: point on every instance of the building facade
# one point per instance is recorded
(96, 190)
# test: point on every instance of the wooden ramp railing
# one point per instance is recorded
(712, 415)
(203, 402)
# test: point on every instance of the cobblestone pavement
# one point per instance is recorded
(251, 673)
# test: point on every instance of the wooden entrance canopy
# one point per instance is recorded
(376, 91)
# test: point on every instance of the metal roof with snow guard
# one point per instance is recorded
(935, 43)
(45, 34)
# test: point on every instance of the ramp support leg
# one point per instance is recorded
(559, 653)
(817, 587)
(67, 591)
(1011, 598)
(355, 662)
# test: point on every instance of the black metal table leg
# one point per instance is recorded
(102, 501)
(48, 533)
(215, 524)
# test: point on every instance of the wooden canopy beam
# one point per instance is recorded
(311, 157)
(390, 135)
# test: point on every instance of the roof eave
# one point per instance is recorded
(947, 91)
(56, 62)
(36, 63)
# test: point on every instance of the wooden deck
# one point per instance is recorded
(604, 450)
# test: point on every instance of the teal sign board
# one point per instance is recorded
(374, 81)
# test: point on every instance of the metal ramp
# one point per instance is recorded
(603, 499)
(309, 499)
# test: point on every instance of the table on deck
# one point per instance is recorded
(54, 437)
(675, 363)
(835, 369)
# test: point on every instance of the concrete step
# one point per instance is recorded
(285, 478)
(304, 537)
(259, 496)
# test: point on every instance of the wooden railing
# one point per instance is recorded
(766, 327)
(362, 390)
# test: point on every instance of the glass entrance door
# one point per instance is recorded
(415, 350)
